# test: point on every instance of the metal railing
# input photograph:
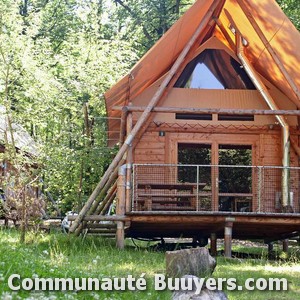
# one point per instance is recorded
(213, 188)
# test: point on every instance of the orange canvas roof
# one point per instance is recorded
(280, 33)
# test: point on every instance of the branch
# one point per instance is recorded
(136, 17)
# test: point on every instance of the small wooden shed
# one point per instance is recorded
(207, 122)
(12, 190)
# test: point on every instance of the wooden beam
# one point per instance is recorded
(123, 124)
(215, 218)
(109, 185)
(205, 111)
(270, 49)
(98, 218)
(129, 165)
(145, 116)
(217, 129)
(108, 199)
(225, 33)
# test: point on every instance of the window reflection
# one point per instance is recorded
(214, 69)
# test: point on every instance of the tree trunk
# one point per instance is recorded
(23, 217)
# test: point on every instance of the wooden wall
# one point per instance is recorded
(159, 143)
(150, 149)
(266, 147)
(266, 151)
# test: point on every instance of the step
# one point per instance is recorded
(101, 225)
(112, 236)
(102, 231)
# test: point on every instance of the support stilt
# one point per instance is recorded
(213, 244)
(120, 210)
(228, 239)
(285, 245)
(270, 248)
(120, 235)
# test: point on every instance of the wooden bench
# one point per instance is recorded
(172, 197)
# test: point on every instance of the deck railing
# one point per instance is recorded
(213, 188)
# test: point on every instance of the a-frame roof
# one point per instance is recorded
(278, 33)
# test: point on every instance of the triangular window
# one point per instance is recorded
(214, 69)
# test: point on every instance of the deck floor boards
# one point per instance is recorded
(190, 224)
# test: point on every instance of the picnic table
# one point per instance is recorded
(165, 196)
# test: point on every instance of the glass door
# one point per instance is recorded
(194, 166)
(235, 178)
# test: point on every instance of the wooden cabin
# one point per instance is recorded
(12, 189)
(207, 122)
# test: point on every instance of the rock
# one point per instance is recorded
(195, 261)
(205, 293)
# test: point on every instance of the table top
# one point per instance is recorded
(172, 186)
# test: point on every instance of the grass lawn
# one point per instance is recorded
(57, 255)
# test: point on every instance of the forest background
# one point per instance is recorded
(57, 58)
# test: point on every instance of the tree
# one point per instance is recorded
(58, 66)
(144, 22)
(292, 10)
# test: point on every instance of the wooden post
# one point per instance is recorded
(270, 248)
(285, 245)
(129, 166)
(213, 244)
(228, 237)
(120, 210)
(215, 176)
(145, 115)
(120, 235)
(123, 124)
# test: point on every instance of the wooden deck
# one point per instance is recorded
(202, 224)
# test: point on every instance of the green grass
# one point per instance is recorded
(58, 255)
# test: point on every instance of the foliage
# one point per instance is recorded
(57, 58)
(292, 10)
(144, 21)
(60, 256)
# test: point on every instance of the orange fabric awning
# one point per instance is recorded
(277, 28)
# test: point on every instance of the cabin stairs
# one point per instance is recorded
(102, 229)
